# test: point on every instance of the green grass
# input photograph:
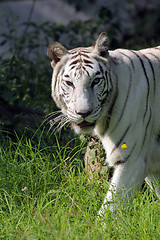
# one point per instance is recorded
(45, 194)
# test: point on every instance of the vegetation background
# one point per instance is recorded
(44, 191)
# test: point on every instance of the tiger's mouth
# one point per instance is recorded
(84, 124)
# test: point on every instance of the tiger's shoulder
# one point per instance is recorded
(130, 53)
(131, 57)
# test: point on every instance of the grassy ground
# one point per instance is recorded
(45, 194)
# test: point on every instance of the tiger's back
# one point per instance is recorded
(115, 96)
(144, 68)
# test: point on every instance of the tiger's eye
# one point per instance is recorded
(95, 82)
(69, 83)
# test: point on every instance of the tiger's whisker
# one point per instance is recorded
(51, 115)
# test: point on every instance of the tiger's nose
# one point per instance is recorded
(84, 114)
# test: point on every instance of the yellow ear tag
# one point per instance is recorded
(123, 146)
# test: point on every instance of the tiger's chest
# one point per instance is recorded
(126, 139)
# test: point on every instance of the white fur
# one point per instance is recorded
(135, 114)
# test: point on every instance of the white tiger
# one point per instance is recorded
(114, 95)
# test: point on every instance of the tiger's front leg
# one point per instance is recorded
(127, 178)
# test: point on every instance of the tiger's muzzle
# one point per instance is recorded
(84, 124)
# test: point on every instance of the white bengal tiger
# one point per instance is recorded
(114, 95)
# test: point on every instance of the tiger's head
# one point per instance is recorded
(80, 82)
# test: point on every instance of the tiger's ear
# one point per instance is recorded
(101, 45)
(55, 52)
